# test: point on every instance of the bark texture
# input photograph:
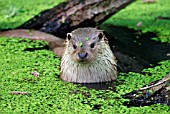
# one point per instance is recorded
(156, 93)
(73, 14)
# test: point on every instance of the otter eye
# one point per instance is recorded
(92, 45)
(74, 46)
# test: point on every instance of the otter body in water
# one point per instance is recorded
(87, 57)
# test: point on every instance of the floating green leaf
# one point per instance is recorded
(86, 38)
(80, 44)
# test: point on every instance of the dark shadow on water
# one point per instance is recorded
(100, 86)
(134, 50)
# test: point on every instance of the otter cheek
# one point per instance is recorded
(75, 57)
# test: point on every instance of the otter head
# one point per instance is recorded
(84, 44)
(87, 57)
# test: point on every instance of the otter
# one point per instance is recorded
(87, 57)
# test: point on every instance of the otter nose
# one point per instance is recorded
(82, 55)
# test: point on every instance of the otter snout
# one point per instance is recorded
(82, 55)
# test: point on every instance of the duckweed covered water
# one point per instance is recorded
(49, 94)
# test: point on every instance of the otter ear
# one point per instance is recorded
(100, 35)
(69, 36)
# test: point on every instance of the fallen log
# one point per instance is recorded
(73, 14)
(156, 93)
